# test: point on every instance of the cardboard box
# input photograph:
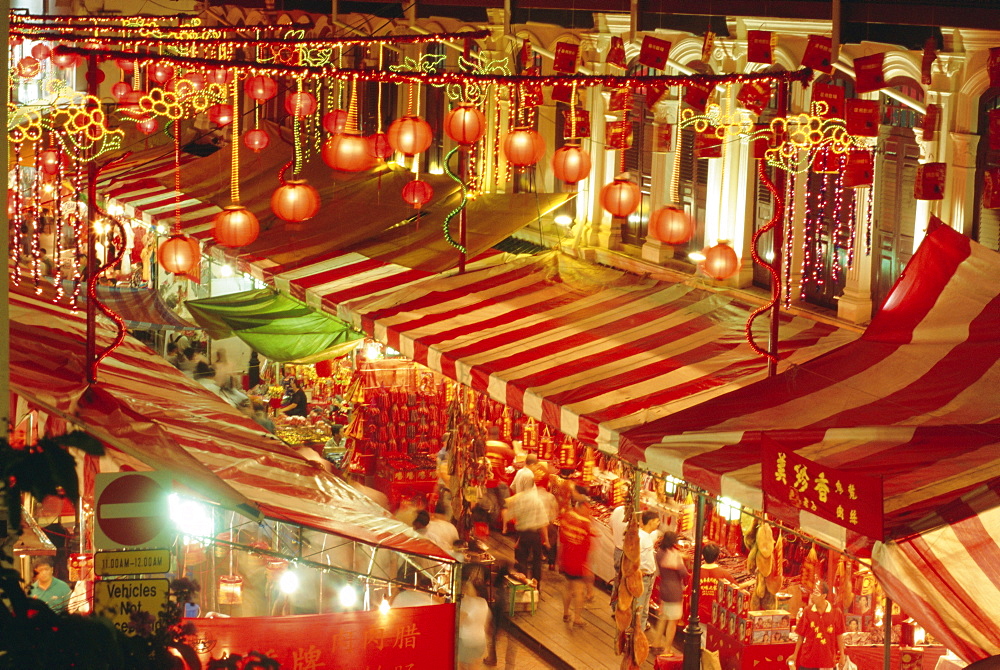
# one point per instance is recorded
(740, 600)
(769, 620)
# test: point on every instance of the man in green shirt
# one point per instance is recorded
(47, 588)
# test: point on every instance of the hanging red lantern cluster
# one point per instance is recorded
(621, 197)
(410, 135)
(523, 147)
(418, 193)
(721, 261)
(261, 88)
(465, 124)
(671, 225)
(64, 60)
(235, 226)
(571, 164)
(380, 147)
(222, 76)
(256, 139)
(178, 253)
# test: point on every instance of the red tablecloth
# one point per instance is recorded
(870, 657)
(734, 655)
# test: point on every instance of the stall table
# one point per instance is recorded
(870, 657)
(735, 655)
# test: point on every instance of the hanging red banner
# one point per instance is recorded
(562, 93)
(862, 117)
(754, 95)
(817, 53)
(578, 130)
(531, 92)
(848, 498)
(618, 134)
(663, 138)
(654, 92)
(619, 100)
(654, 52)
(931, 120)
(707, 144)
(930, 55)
(993, 66)
(406, 638)
(993, 117)
(825, 161)
(697, 94)
(869, 74)
(929, 183)
(565, 57)
(525, 55)
(860, 168)
(707, 44)
(991, 189)
(616, 54)
(760, 46)
(833, 96)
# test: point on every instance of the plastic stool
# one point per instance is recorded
(514, 588)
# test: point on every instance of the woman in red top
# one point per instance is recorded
(574, 545)
(820, 629)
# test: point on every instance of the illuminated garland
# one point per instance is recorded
(461, 205)
(295, 37)
(778, 215)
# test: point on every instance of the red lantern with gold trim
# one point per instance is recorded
(571, 164)
(418, 193)
(50, 160)
(335, 121)
(348, 152)
(148, 126)
(300, 104)
(120, 90)
(28, 67)
(161, 73)
(177, 254)
(261, 88)
(379, 146)
(256, 139)
(235, 226)
(621, 197)
(220, 76)
(64, 60)
(721, 261)
(40, 51)
(221, 115)
(671, 225)
(410, 135)
(465, 124)
(295, 201)
(523, 147)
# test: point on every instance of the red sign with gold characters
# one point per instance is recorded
(564, 59)
(618, 134)
(817, 54)
(869, 73)
(654, 52)
(578, 129)
(991, 189)
(845, 497)
(929, 183)
(759, 46)
(833, 96)
(862, 117)
(697, 95)
(407, 638)
(616, 54)
(754, 95)
(993, 66)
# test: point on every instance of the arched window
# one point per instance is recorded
(986, 222)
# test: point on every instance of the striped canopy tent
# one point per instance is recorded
(913, 402)
(588, 350)
(145, 409)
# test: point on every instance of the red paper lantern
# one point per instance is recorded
(49, 160)
(196, 79)
(129, 104)
(261, 87)
(119, 90)
(721, 262)
(465, 124)
(40, 51)
(300, 104)
(161, 72)
(256, 139)
(148, 126)
(621, 197)
(523, 147)
(220, 76)
(335, 121)
(220, 115)
(178, 253)
(671, 225)
(127, 66)
(28, 67)
(64, 60)
(295, 201)
(571, 164)
(410, 135)
(379, 146)
(348, 152)
(418, 193)
(235, 226)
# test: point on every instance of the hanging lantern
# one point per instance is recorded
(523, 147)
(300, 104)
(465, 124)
(671, 225)
(721, 261)
(335, 121)
(230, 590)
(256, 139)
(418, 193)
(64, 60)
(621, 197)
(571, 164)
(28, 67)
(220, 76)
(177, 254)
(235, 226)
(148, 126)
(161, 72)
(50, 161)
(379, 146)
(119, 90)
(196, 80)
(295, 201)
(40, 51)
(127, 66)
(410, 135)
(220, 115)
(347, 152)
(129, 104)
(261, 87)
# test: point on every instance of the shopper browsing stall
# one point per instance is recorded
(821, 632)
(531, 519)
(648, 524)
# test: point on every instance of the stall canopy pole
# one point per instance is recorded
(91, 347)
(887, 632)
(777, 244)
(692, 640)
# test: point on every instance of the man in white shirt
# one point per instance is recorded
(648, 523)
(531, 518)
(525, 477)
(618, 523)
(440, 531)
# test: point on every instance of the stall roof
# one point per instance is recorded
(145, 407)
(588, 350)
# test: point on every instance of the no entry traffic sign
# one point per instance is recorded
(132, 510)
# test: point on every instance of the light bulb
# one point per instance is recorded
(383, 607)
(289, 582)
(348, 596)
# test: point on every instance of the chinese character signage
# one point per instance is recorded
(562, 93)
(759, 46)
(862, 117)
(869, 74)
(576, 129)
(754, 95)
(817, 54)
(931, 120)
(707, 44)
(408, 638)
(697, 95)
(828, 101)
(929, 184)
(654, 52)
(845, 497)
(860, 170)
(618, 134)
(616, 54)
(565, 57)
(993, 66)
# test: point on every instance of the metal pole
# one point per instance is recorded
(777, 241)
(692, 639)
(91, 350)
(887, 632)
(5, 249)
(463, 168)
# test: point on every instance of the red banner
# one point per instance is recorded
(565, 57)
(408, 638)
(707, 144)
(525, 56)
(754, 95)
(562, 93)
(993, 117)
(616, 54)
(930, 55)
(860, 170)
(707, 44)
(817, 54)
(869, 74)
(653, 94)
(929, 184)
(993, 66)
(991, 189)
(654, 52)
(580, 129)
(697, 95)
(619, 100)
(931, 120)
(663, 139)
(759, 46)
(618, 134)
(862, 117)
(531, 92)
(848, 498)
(833, 96)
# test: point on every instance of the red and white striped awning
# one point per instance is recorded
(588, 350)
(143, 406)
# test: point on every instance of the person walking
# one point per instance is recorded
(821, 633)
(531, 520)
(575, 532)
(648, 523)
(673, 575)
(618, 523)
(473, 622)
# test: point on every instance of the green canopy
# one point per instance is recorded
(279, 327)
